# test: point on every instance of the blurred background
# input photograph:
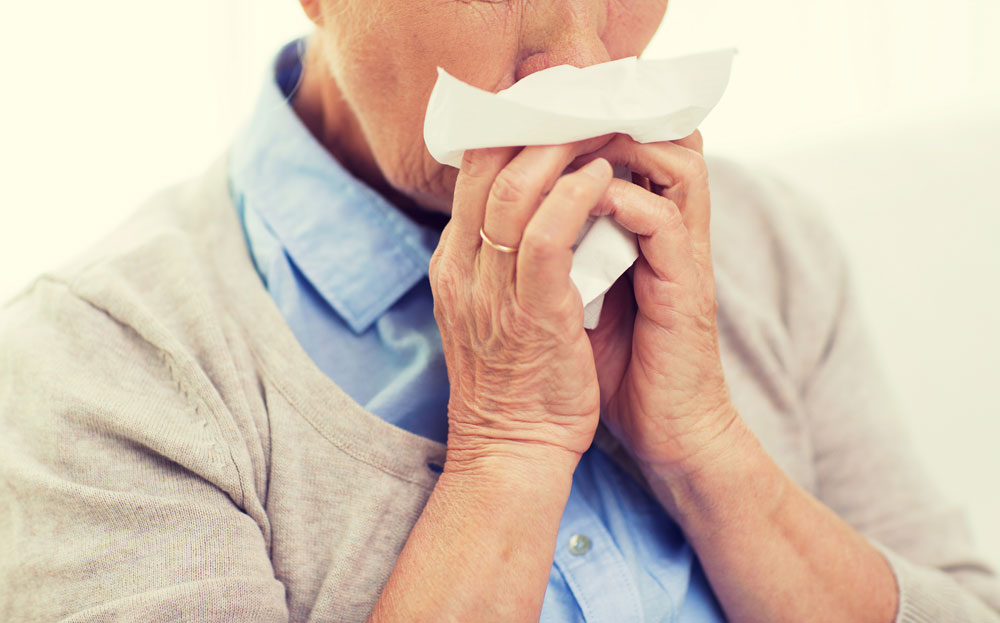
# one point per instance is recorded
(888, 111)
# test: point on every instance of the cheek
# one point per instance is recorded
(631, 25)
(388, 72)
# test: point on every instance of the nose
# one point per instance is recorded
(575, 51)
(562, 32)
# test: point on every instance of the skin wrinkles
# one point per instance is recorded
(528, 383)
(383, 69)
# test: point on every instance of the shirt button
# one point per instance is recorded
(579, 544)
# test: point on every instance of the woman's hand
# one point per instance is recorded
(524, 399)
(656, 345)
(520, 366)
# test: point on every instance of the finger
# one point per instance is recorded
(693, 142)
(518, 188)
(546, 254)
(681, 171)
(472, 188)
(438, 252)
(517, 192)
(663, 236)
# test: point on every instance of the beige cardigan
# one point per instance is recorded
(168, 452)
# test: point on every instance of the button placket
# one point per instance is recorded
(594, 568)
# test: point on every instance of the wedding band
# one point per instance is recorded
(498, 247)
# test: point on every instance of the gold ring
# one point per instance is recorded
(498, 247)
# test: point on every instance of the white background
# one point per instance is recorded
(888, 110)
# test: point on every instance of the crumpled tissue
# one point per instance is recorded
(651, 100)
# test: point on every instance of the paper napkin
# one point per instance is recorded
(649, 99)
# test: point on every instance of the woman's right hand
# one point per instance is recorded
(524, 401)
(520, 365)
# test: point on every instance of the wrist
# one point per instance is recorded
(483, 546)
(484, 441)
(516, 489)
(513, 461)
(722, 486)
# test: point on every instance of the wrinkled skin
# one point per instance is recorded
(382, 57)
(525, 371)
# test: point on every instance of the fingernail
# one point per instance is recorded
(597, 168)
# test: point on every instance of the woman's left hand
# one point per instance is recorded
(663, 391)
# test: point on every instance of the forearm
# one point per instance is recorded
(771, 551)
(482, 549)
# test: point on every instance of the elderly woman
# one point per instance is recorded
(334, 380)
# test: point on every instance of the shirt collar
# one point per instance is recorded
(355, 248)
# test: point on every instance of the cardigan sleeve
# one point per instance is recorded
(866, 467)
(119, 500)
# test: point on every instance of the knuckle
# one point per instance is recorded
(434, 271)
(578, 192)
(699, 140)
(546, 239)
(695, 168)
(444, 285)
(671, 214)
(589, 145)
(483, 163)
(441, 314)
(475, 163)
(509, 186)
(664, 295)
(572, 188)
(615, 195)
(695, 140)
(539, 245)
(621, 141)
(435, 263)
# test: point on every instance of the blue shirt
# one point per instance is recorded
(349, 273)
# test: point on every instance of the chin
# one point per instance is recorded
(434, 189)
(435, 202)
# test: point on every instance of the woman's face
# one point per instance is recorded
(383, 55)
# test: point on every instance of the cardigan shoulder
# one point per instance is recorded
(142, 307)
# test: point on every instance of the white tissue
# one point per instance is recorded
(649, 99)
